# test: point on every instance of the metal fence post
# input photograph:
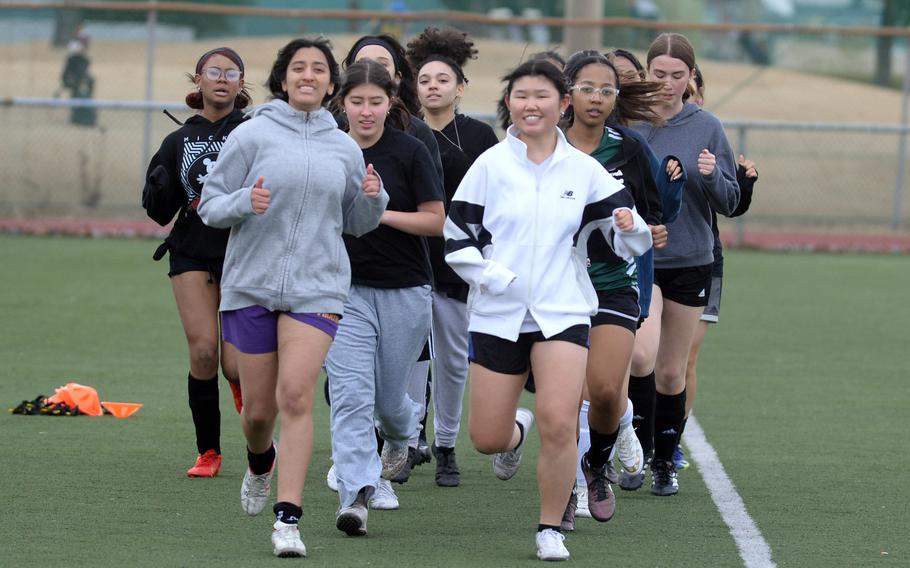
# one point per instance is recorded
(901, 145)
(740, 225)
(152, 21)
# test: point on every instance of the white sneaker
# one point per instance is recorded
(353, 520)
(582, 510)
(550, 545)
(393, 460)
(255, 489)
(628, 450)
(331, 479)
(286, 541)
(505, 464)
(384, 499)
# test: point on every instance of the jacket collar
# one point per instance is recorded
(520, 149)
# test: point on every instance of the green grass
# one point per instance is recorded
(803, 394)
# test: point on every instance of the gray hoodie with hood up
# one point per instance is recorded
(690, 241)
(292, 257)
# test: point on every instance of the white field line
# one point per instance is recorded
(753, 549)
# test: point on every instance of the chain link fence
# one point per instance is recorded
(820, 170)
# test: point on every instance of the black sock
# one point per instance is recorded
(545, 527)
(642, 394)
(287, 513)
(669, 413)
(683, 427)
(601, 447)
(521, 434)
(261, 463)
(203, 398)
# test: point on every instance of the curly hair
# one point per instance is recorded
(448, 45)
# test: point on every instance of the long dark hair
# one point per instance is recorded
(369, 72)
(282, 62)
(634, 102)
(532, 68)
(194, 98)
(407, 88)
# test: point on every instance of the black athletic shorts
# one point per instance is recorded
(618, 307)
(513, 357)
(181, 263)
(688, 286)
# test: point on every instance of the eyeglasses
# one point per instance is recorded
(215, 73)
(588, 91)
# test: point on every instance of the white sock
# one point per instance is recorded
(584, 441)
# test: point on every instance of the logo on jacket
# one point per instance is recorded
(568, 194)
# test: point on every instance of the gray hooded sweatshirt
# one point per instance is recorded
(690, 240)
(292, 257)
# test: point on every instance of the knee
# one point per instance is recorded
(606, 394)
(294, 401)
(487, 442)
(556, 430)
(258, 418)
(667, 375)
(643, 359)
(204, 357)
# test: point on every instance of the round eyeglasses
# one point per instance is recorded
(215, 73)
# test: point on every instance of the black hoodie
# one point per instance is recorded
(174, 183)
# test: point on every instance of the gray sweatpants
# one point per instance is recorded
(450, 367)
(378, 341)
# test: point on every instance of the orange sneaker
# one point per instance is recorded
(238, 399)
(207, 465)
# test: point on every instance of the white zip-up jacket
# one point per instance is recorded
(517, 236)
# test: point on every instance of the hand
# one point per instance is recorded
(658, 235)
(706, 162)
(623, 220)
(747, 165)
(259, 197)
(371, 185)
(674, 170)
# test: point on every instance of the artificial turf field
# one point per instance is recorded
(802, 390)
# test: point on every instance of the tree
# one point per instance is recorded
(894, 13)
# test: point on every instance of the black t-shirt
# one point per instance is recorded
(460, 143)
(386, 257)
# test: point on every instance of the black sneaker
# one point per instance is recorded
(663, 478)
(447, 473)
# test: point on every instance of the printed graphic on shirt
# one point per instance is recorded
(199, 157)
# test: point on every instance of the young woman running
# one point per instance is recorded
(639, 413)
(290, 182)
(683, 268)
(597, 99)
(511, 234)
(387, 313)
(173, 185)
(746, 176)
(439, 56)
(385, 50)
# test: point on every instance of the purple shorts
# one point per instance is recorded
(254, 330)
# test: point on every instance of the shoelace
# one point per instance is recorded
(600, 483)
(259, 485)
